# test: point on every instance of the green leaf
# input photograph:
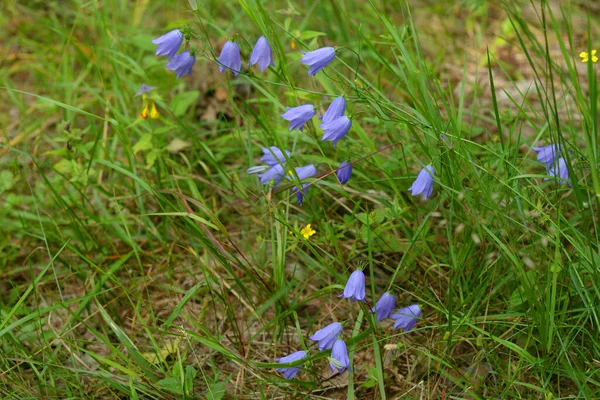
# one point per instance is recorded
(61, 152)
(151, 158)
(170, 384)
(145, 143)
(216, 391)
(190, 375)
(372, 378)
(65, 167)
(183, 101)
(518, 298)
(307, 35)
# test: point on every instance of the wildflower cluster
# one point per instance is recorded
(329, 336)
(276, 169)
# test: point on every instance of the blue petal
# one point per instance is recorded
(298, 116)
(344, 172)
(424, 182)
(355, 287)
(273, 156)
(335, 110)
(261, 54)
(230, 58)
(327, 336)
(169, 43)
(339, 353)
(318, 59)
(384, 306)
(182, 63)
(274, 173)
(406, 318)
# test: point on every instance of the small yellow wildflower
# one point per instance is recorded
(307, 231)
(144, 113)
(585, 57)
(154, 112)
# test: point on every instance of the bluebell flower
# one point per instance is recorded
(274, 170)
(230, 58)
(547, 154)
(355, 287)
(424, 182)
(298, 116)
(275, 173)
(169, 43)
(182, 63)
(335, 110)
(303, 173)
(344, 172)
(335, 130)
(300, 194)
(291, 372)
(559, 170)
(261, 54)
(339, 357)
(145, 89)
(384, 306)
(273, 156)
(327, 335)
(406, 318)
(318, 59)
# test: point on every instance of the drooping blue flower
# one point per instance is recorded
(301, 194)
(291, 372)
(335, 110)
(344, 172)
(327, 335)
(169, 43)
(274, 170)
(406, 318)
(303, 173)
(559, 170)
(335, 130)
(355, 287)
(182, 63)
(273, 156)
(384, 306)
(145, 89)
(318, 59)
(275, 173)
(230, 58)
(298, 116)
(547, 154)
(424, 182)
(339, 357)
(261, 54)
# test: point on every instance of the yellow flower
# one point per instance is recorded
(144, 113)
(585, 57)
(307, 231)
(154, 112)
